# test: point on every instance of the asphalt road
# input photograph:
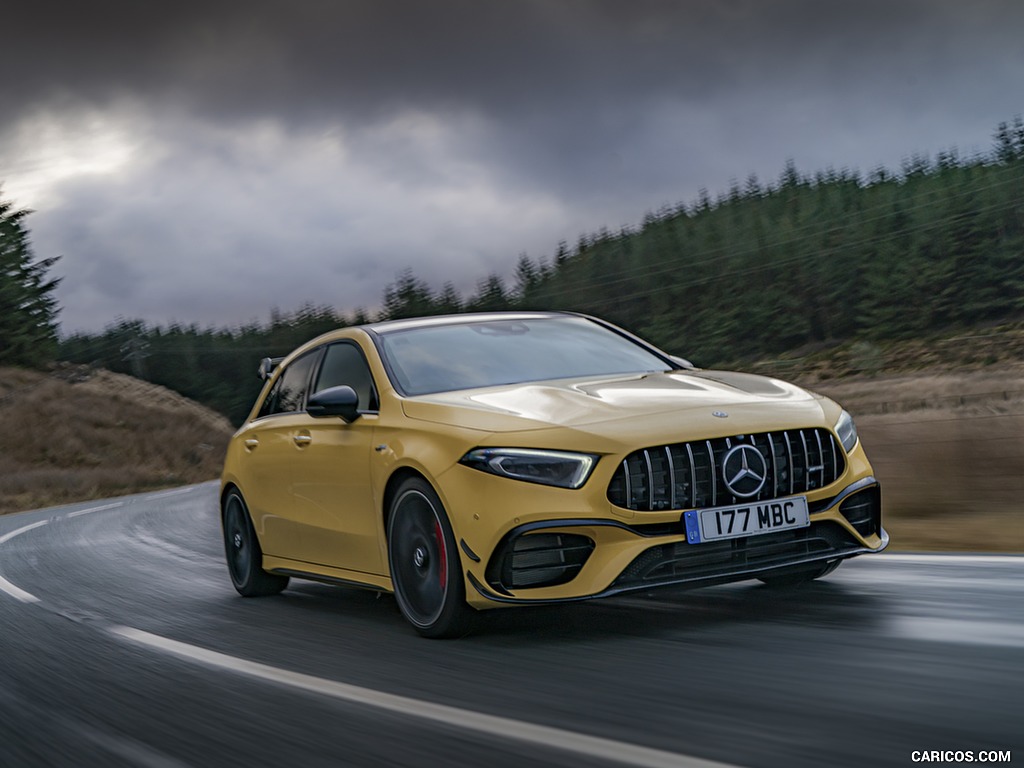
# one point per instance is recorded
(123, 643)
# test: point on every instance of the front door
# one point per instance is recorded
(332, 495)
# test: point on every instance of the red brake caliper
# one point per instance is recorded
(442, 554)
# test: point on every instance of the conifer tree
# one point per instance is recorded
(28, 310)
(408, 296)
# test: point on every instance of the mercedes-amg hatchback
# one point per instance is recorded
(472, 461)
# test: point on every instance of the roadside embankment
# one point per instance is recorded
(88, 435)
(948, 449)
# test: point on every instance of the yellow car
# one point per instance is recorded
(471, 461)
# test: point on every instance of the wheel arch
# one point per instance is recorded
(227, 489)
(449, 616)
(399, 476)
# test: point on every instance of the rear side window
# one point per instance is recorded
(344, 364)
(289, 391)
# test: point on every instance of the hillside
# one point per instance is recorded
(911, 260)
(947, 448)
(945, 445)
(75, 435)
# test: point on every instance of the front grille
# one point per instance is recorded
(539, 560)
(689, 475)
(719, 561)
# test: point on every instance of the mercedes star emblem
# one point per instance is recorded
(744, 471)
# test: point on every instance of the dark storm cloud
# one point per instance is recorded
(447, 136)
(508, 59)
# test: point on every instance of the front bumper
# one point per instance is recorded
(631, 556)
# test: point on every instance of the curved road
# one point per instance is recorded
(123, 643)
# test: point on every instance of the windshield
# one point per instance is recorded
(442, 358)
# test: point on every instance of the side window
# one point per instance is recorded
(289, 391)
(344, 364)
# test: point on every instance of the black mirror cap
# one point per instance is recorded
(335, 401)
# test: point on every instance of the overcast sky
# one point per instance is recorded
(207, 161)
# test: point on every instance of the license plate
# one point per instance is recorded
(746, 519)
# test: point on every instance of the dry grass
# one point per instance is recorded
(64, 442)
(949, 452)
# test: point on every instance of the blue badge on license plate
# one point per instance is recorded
(692, 527)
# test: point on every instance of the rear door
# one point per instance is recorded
(270, 453)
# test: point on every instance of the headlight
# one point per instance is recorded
(559, 468)
(847, 431)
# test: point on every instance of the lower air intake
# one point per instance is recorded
(539, 560)
(863, 510)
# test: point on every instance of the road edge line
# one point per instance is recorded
(463, 719)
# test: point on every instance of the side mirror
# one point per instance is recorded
(335, 401)
(267, 366)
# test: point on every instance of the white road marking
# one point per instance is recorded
(5, 586)
(940, 559)
(176, 492)
(18, 531)
(90, 510)
(490, 725)
(999, 633)
(951, 579)
(16, 592)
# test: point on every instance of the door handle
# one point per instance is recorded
(251, 443)
(302, 439)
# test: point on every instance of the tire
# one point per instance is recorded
(800, 577)
(243, 553)
(425, 567)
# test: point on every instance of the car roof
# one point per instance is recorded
(387, 326)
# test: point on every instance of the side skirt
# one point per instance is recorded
(326, 575)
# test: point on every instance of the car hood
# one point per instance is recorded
(646, 400)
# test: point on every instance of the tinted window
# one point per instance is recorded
(289, 391)
(483, 354)
(344, 364)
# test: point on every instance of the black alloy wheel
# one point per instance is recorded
(243, 553)
(425, 568)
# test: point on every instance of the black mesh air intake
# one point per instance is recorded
(539, 560)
